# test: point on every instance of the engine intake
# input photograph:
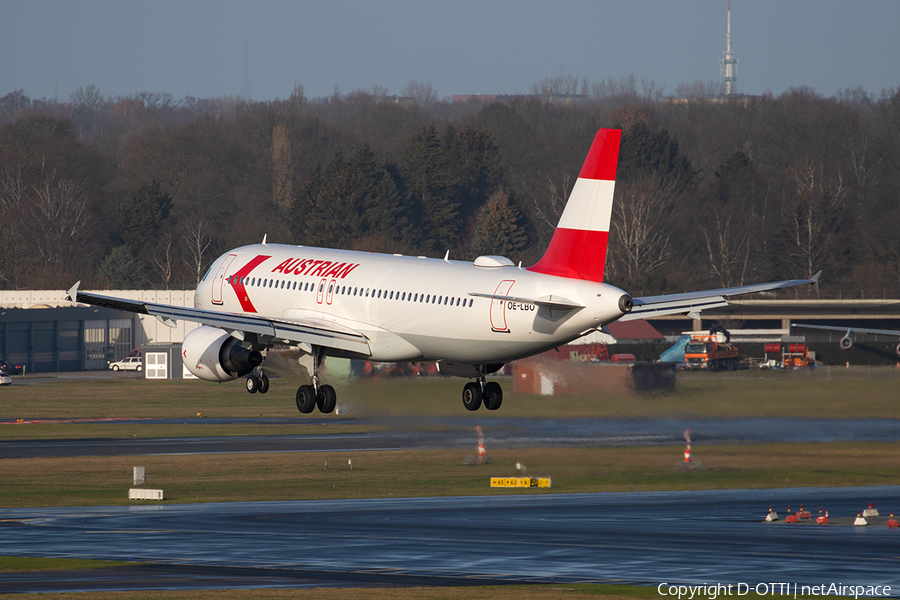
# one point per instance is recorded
(626, 303)
(214, 355)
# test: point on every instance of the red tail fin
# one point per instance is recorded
(578, 247)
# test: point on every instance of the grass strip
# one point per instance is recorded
(105, 480)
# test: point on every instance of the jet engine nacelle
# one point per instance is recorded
(846, 343)
(214, 355)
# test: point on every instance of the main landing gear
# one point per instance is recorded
(311, 396)
(258, 382)
(476, 393)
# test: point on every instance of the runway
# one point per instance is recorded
(407, 433)
(702, 537)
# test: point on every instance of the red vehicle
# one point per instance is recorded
(711, 352)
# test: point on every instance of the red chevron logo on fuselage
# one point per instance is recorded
(237, 283)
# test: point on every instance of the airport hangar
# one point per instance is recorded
(44, 332)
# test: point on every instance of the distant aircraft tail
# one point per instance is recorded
(578, 247)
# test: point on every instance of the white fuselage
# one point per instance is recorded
(409, 308)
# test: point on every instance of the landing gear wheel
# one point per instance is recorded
(306, 399)
(472, 396)
(252, 384)
(327, 399)
(263, 384)
(493, 395)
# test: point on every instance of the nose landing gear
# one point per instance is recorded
(258, 382)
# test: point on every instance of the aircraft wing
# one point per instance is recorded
(849, 329)
(694, 302)
(318, 332)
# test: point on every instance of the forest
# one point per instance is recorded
(146, 191)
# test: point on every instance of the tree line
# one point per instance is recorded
(144, 191)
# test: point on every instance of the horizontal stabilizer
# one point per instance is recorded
(548, 302)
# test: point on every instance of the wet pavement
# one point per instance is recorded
(405, 433)
(703, 537)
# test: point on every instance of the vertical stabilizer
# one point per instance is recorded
(578, 247)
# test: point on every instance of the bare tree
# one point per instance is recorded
(728, 234)
(164, 261)
(422, 91)
(282, 168)
(61, 216)
(641, 229)
(12, 187)
(197, 241)
(549, 207)
(816, 212)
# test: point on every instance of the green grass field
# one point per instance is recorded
(835, 393)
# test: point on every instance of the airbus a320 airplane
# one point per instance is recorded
(471, 318)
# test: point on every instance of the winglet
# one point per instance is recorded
(814, 280)
(72, 293)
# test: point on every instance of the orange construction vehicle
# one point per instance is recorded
(793, 356)
(711, 351)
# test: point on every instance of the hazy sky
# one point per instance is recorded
(196, 48)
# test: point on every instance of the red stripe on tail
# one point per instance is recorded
(574, 253)
(578, 247)
(603, 157)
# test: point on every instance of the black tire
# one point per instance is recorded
(472, 396)
(306, 399)
(252, 384)
(140, 368)
(327, 399)
(493, 395)
(263, 384)
(115, 367)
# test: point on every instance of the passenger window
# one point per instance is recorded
(392, 296)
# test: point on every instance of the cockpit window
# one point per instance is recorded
(205, 275)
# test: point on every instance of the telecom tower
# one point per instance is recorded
(728, 66)
(246, 91)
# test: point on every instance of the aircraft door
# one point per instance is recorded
(320, 293)
(330, 296)
(498, 307)
(219, 282)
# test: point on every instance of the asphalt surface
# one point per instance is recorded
(405, 433)
(695, 538)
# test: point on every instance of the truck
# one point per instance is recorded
(711, 351)
(786, 355)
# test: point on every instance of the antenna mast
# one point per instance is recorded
(728, 65)
(246, 90)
